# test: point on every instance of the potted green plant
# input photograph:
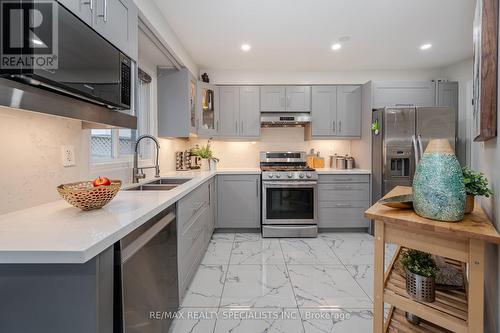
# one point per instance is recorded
(476, 184)
(421, 270)
(205, 153)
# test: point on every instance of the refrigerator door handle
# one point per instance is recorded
(420, 147)
(415, 149)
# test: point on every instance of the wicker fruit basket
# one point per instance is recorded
(85, 196)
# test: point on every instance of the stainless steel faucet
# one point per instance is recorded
(138, 173)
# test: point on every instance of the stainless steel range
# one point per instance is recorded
(289, 195)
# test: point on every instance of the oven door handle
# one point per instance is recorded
(290, 184)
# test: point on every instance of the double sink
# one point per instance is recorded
(163, 184)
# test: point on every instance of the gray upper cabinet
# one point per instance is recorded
(208, 109)
(447, 94)
(285, 99)
(387, 94)
(272, 98)
(349, 111)
(229, 111)
(81, 8)
(239, 114)
(177, 115)
(249, 111)
(336, 112)
(238, 201)
(324, 111)
(298, 98)
(117, 21)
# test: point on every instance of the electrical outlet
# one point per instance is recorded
(68, 156)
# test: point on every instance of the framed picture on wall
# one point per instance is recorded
(485, 77)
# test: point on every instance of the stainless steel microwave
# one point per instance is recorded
(89, 67)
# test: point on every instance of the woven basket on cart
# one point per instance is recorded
(85, 196)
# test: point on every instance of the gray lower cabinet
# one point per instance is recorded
(195, 223)
(238, 201)
(342, 201)
(239, 114)
(58, 298)
(336, 112)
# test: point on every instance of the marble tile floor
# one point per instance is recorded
(309, 285)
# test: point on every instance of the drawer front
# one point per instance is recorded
(342, 215)
(344, 192)
(196, 228)
(188, 263)
(191, 204)
(344, 178)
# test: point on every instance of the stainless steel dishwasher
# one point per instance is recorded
(148, 259)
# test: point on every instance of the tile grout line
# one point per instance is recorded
(225, 279)
(291, 285)
(349, 272)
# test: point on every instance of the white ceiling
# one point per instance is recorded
(296, 35)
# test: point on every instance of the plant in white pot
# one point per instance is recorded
(476, 184)
(205, 153)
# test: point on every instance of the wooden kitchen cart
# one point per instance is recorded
(461, 243)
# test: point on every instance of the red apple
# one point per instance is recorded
(101, 181)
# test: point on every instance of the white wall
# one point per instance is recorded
(347, 77)
(151, 14)
(246, 154)
(461, 72)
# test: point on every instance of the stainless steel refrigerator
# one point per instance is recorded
(399, 136)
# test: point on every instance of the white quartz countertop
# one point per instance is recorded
(57, 232)
(329, 171)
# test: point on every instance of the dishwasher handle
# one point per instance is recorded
(145, 237)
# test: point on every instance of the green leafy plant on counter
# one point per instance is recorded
(476, 183)
(204, 152)
(418, 262)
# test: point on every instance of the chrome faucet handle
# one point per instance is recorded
(157, 171)
(140, 174)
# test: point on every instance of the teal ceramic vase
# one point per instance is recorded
(438, 185)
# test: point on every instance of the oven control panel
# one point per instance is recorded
(291, 175)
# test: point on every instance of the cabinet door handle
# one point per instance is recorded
(236, 125)
(209, 195)
(241, 127)
(334, 127)
(104, 14)
(340, 127)
(91, 3)
(343, 205)
(217, 125)
(257, 186)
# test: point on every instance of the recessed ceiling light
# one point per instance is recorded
(245, 47)
(425, 46)
(336, 46)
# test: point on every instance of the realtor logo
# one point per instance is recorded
(29, 35)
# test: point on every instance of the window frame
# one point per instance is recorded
(117, 160)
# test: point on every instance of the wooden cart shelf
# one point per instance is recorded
(397, 323)
(461, 243)
(450, 308)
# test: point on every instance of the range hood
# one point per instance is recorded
(14, 94)
(281, 119)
